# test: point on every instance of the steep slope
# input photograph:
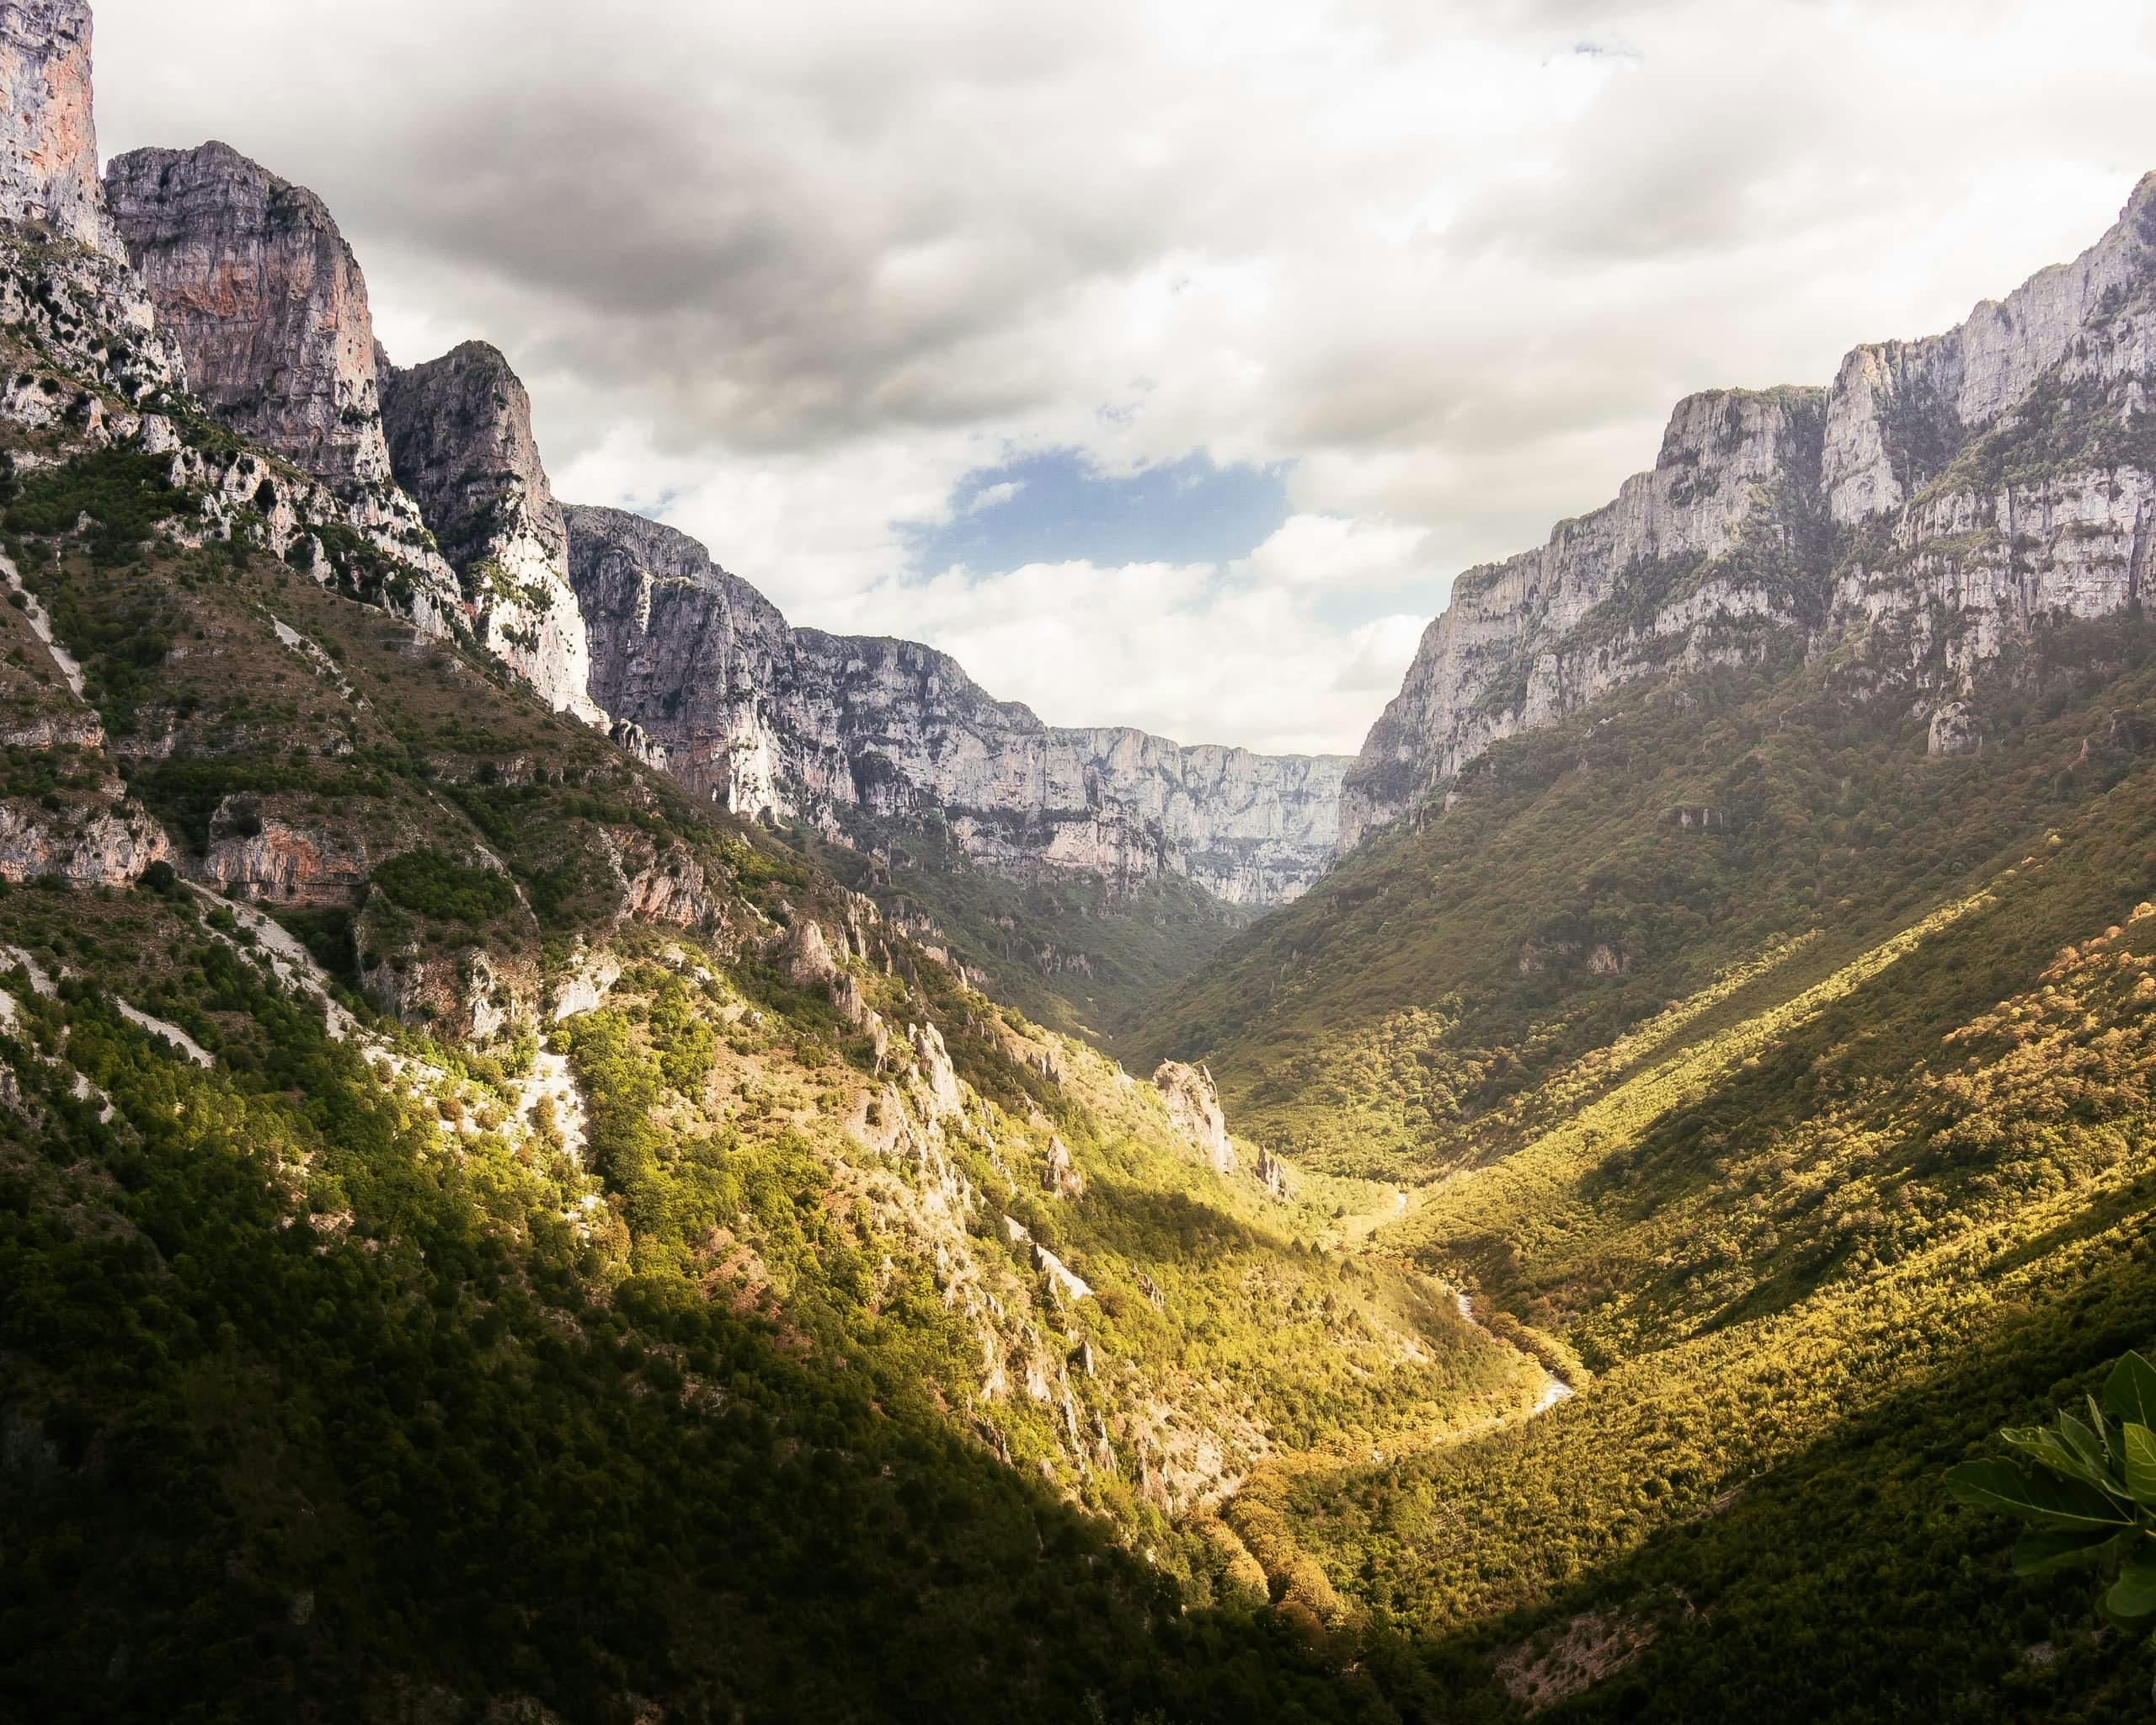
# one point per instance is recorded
(1076, 870)
(1944, 499)
(740, 1211)
(1803, 1238)
(48, 134)
(459, 432)
(1752, 1000)
(762, 717)
(251, 276)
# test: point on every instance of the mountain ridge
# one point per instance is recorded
(1882, 511)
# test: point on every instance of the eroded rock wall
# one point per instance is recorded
(1937, 505)
(762, 717)
(459, 432)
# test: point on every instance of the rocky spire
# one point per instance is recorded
(250, 272)
(459, 431)
(48, 137)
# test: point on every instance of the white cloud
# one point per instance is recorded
(991, 495)
(790, 272)
(1180, 649)
(1341, 554)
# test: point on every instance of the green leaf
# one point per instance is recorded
(2130, 1391)
(2140, 1446)
(2049, 1451)
(2035, 1553)
(2088, 1445)
(2067, 1505)
(2133, 1594)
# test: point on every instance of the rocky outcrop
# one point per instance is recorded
(103, 841)
(1194, 1106)
(459, 433)
(48, 135)
(762, 719)
(1936, 508)
(254, 854)
(251, 278)
(250, 273)
(1275, 1176)
(1656, 580)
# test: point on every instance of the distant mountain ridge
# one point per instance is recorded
(767, 718)
(251, 275)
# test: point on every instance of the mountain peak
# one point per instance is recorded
(48, 132)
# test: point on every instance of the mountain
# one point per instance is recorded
(1922, 517)
(484, 1232)
(459, 435)
(517, 1208)
(1080, 868)
(1741, 969)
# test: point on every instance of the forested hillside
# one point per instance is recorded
(526, 1237)
(1787, 1089)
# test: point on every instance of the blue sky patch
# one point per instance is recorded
(1056, 506)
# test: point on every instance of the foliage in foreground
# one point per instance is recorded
(2086, 1488)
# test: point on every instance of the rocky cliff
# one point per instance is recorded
(1933, 509)
(48, 139)
(459, 432)
(252, 277)
(762, 717)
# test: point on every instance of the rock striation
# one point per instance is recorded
(763, 718)
(48, 135)
(1935, 508)
(252, 277)
(459, 434)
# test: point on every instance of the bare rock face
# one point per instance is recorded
(1954, 730)
(1194, 1106)
(459, 432)
(1941, 502)
(1643, 584)
(251, 277)
(1276, 1175)
(766, 718)
(48, 136)
(101, 841)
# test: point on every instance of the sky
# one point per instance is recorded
(1164, 361)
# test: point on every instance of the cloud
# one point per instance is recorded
(988, 496)
(1184, 650)
(1341, 554)
(797, 275)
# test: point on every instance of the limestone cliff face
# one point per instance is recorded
(763, 717)
(251, 275)
(1941, 502)
(459, 432)
(251, 278)
(48, 138)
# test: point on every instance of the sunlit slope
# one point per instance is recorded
(1408, 1015)
(1803, 1238)
(476, 1228)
